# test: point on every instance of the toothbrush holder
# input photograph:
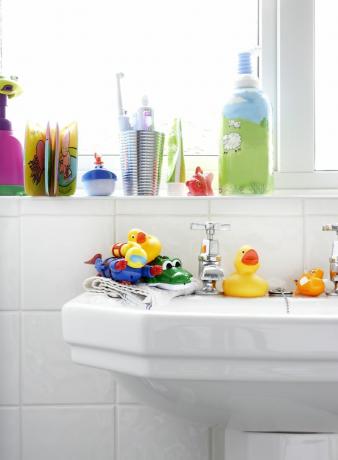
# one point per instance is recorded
(141, 155)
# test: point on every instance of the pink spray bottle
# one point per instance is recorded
(11, 156)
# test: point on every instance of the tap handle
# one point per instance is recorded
(330, 227)
(210, 227)
(197, 226)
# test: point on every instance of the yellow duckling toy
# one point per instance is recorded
(311, 283)
(244, 282)
(149, 243)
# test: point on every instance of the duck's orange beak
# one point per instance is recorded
(250, 257)
(141, 238)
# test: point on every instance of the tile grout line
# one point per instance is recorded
(20, 335)
(75, 405)
(116, 432)
(115, 409)
(303, 234)
(38, 310)
(9, 406)
(248, 214)
(162, 214)
(80, 405)
(56, 214)
(210, 444)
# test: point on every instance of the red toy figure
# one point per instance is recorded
(200, 184)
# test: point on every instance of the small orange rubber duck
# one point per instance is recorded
(310, 283)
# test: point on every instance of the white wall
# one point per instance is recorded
(52, 409)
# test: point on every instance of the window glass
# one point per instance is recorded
(326, 84)
(180, 53)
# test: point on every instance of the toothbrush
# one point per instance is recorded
(123, 118)
(119, 95)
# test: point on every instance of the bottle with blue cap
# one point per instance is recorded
(245, 162)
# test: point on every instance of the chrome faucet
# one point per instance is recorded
(209, 259)
(334, 258)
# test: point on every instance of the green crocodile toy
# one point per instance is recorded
(173, 272)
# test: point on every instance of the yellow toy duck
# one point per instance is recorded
(311, 283)
(244, 282)
(149, 243)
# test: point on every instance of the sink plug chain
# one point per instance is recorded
(287, 303)
(281, 292)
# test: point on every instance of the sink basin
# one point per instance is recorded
(249, 365)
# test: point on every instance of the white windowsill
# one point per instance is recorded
(280, 193)
(294, 203)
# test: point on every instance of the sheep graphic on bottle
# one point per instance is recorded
(233, 140)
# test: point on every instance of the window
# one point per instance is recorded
(326, 95)
(305, 60)
(181, 53)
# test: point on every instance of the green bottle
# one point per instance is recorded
(245, 162)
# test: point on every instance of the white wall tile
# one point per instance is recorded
(9, 358)
(318, 244)
(9, 434)
(9, 205)
(53, 253)
(124, 396)
(146, 434)
(173, 231)
(322, 206)
(256, 206)
(68, 206)
(278, 241)
(9, 263)
(162, 205)
(68, 433)
(48, 374)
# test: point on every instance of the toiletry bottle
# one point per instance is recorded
(99, 181)
(245, 162)
(145, 116)
(176, 163)
(11, 157)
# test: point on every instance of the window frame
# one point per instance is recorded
(287, 33)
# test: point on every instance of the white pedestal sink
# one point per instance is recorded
(266, 379)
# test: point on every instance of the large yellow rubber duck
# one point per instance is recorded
(244, 282)
(149, 243)
(311, 283)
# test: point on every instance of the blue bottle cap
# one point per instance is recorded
(244, 63)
